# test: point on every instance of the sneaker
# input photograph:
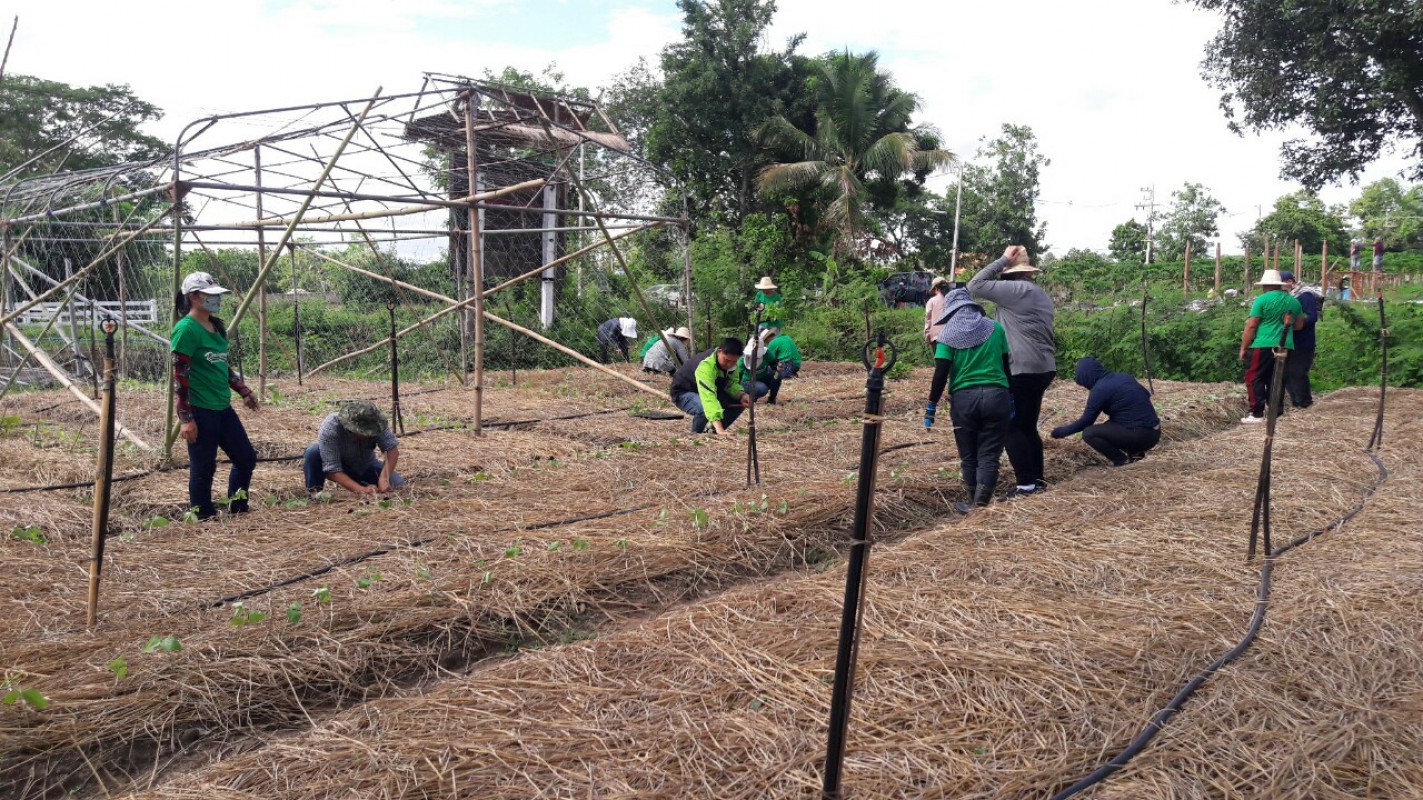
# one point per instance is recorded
(1251, 418)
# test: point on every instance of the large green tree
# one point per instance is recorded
(1000, 195)
(72, 128)
(861, 145)
(1301, 217)
(1193, 218)
(1350, 71)
(1128, 243)
(719, 87)
(1386, 208)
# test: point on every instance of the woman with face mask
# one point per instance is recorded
(203, 385)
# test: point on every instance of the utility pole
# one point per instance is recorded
(1148, 203)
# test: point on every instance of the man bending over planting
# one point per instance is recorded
(708, 388)
(345, 451)
(1132, 427)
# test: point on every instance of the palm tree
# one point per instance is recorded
(862, 133)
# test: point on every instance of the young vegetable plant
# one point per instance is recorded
(33, 698)
(245, 616)
(29, 533)
(369, 580)
(322, 594)
(167, 644)
(119, 667)
(294, 612)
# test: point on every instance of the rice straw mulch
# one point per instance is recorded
(1003, 656)
(461, 597)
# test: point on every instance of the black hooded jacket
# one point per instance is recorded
(1125, 401)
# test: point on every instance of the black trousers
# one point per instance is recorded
(980, 415)
(219, 430)
(1297, 377)
(1024, 443)
(1119, 443)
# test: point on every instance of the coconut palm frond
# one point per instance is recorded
(778, 133)
(797, 175)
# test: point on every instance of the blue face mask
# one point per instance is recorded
(212, 302)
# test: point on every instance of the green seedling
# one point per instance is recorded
(29, 533)
(126, 537)
(423, 572)
(369, 580)
(444, 482)
(271, 500)
(226, 502)
(294, 612)
(580, 544)
(33, 698)
(621, 544)
(322, 594)
(297, 502)
(191, 516)
(784, 509)
(322, 497)
(405, 501)
(513, 550)
(661, 518)
(119, 667)
(700, 518)
(245, 616)
(8, 424)
(555, 546)
(487, 579)
(168, 644)
(383, 503)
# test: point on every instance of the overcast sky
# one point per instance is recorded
(1114, 94)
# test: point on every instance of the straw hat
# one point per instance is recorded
(1019, 269)
(683, 333)
(766, 284)
(670, 332)
(1270, 277)
(939, 281)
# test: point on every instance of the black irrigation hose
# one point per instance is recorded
(1262, 601)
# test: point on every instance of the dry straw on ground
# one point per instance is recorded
(486, 577)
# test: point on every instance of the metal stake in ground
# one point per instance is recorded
(1376, 438)
(753, 464)
(846, 653)
(1145, 354)
(1260, 517)
(396, 420)
(104, 477)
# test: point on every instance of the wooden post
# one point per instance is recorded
(123, 304)
(687, 282)
(1324, 268)
(475, 263)
(1247, 267)
(296, 311)
(262, 289)
(104, 476)
(1186, 271)
(1298, 255)
(1217, 269)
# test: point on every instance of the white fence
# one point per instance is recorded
(142, 312)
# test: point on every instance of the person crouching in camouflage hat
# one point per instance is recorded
(345, 451)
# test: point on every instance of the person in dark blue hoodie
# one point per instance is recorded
(1132, 427)
(1298, 364)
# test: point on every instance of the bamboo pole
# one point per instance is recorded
(575, 354)
(279, 222)
(1217, 269)
(1324, 267)
(1247, 267)
(103, 478)
(458, 305)
(262, 290)
(300, 212)
(43, 359)
(476, 263)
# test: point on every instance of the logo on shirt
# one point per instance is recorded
(214, 357)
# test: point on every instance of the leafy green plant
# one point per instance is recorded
(29, 533)
(322, 594)
(555, 545)
(33, 698)
(423, 572)
(167, 644)
(156, 522)
(368, 580)
(294, 612)
(700, 517)
(191, 515)
(513, 550)
(8, 424)
(226, 502)
(271, 500)
(580, 544)
(242, 615)
(119, 667)
(297, 502)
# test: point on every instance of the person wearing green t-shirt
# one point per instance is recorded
(768, 296)
(203, 384)
(971, 357)
(782, 358)
(1267, 323)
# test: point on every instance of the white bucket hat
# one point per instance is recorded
(683, 333)
(766, 284)
(201, 282)
(628, 326)
(1270, 277)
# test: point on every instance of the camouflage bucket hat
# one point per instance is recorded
(362, 418)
